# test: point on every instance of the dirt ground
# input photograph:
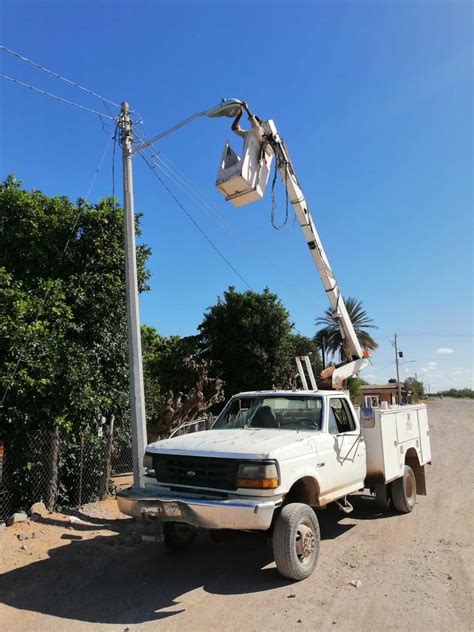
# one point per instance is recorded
(415, 570)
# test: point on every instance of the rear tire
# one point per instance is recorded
(403, 491)
(296, 541)
(178, 536)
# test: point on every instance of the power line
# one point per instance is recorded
(48, 290)
(55, 96)
(191, 218)
(222, 222)
(57, 75)
(430, 334)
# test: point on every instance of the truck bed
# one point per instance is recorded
(390, 434)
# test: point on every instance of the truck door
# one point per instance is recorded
(348, 467)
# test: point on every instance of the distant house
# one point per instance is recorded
(372, 395)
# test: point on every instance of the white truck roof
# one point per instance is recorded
(285, 393)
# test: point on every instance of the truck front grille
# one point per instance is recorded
(195, 471)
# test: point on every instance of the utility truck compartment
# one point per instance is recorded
(393, 436)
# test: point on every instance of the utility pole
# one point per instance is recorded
(137, 395)
(399, 390)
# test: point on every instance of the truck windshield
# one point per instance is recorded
(292, 412)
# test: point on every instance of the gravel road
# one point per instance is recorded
(415, 571)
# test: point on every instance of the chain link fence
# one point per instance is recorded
(67, 470)
(62, 469)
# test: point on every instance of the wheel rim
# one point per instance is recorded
(305, 542)
(410, 488)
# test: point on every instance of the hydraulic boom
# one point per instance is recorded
(270, 142)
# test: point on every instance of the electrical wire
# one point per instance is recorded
(191, 218)
(57, 75)
(231, 231)
(55, 96)
(272, 217)
(48, 290)
(434, 335)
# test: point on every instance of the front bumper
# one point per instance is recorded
(158, 505)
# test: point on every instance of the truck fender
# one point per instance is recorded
(412, 459)
(305, 490)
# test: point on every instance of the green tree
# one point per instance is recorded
(353, 386)
(416, 388)
(460, 393)
(330, 335)
(63, 341)
(247, 339)
(178, 384)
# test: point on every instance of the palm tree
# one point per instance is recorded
(330, 337)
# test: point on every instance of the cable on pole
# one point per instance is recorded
(55, 96)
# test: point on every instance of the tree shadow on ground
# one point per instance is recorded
(118, 579)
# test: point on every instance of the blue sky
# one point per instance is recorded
(374, 100)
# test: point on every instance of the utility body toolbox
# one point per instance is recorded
(395, 437)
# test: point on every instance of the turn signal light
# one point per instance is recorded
(264, 483)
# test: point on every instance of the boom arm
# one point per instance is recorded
(267, 137)
(355, 357)
(352, 346)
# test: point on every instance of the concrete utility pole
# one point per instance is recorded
(137, 395)
(399, 389)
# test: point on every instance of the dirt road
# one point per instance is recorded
(415, 570)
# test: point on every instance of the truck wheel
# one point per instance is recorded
(404, 491)
(178, 536)
(296, 540)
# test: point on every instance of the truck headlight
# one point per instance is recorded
(258, 475)
(148, 461)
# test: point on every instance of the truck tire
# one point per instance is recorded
(178, 536)
(403, 491)
(296, 541)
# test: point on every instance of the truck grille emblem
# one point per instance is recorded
(191, 473)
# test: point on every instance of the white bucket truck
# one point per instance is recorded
(274, 458)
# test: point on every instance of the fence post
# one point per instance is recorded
(105, 480)
(81, 467)
(52, 470)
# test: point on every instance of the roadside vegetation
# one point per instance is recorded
(63, 339)
(329, 335)
(459, 393)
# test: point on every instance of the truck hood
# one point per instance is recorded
(247, 443)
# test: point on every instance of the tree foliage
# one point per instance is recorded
(353, 385)
(63, 341)
(416, 388)
(330, 335)
(248, 341)
(460, 393)
(178, 384)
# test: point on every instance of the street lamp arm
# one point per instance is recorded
(168, 131)
(227, 107)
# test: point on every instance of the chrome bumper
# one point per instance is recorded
(241, 513)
